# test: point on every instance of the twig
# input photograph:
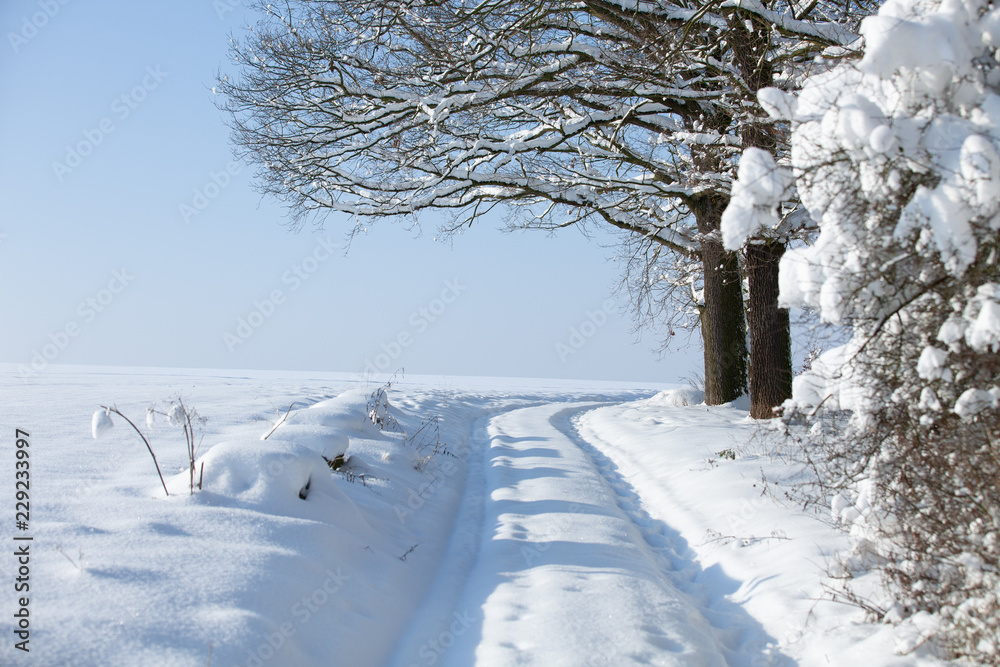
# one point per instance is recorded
(119, 413)
(745, 540)
(280, 421)
(410, 551)
(847, 597)
(79, 565)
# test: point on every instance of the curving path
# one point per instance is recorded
(553, 561)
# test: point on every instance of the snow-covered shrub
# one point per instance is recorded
(101, 423)
(897, 159)
(378, 406)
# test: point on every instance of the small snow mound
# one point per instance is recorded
(328, 426)
(678, 398)
(914, 632)
(348, 413)
(741, 403)
(324, 440)
(273, 474)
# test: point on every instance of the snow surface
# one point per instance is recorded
(568, 523)
(917, 100)
(758, 191)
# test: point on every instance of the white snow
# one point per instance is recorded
(778, 104)
(175, 417)
(760, 187)
(929, 400)
(984, 334)
(568, 523)
(931, 364)
(952, 331)
(974, 401)
(100, 424)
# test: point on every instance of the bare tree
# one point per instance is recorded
(623, 114)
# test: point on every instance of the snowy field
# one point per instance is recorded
(558, 523)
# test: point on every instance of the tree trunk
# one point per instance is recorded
(770, 332)
(723, 328)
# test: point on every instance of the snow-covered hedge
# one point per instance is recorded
(897, 159)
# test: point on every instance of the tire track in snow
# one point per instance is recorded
(747, 643)
(553, 562)
(432, 632)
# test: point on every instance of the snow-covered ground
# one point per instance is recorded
(558, 523)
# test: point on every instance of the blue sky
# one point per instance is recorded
(131, 238)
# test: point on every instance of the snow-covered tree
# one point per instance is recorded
(897, 158)
(620, 113)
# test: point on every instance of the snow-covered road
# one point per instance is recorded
(554, 562)
(499, 522)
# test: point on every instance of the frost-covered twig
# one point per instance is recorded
(716, 536)
(178, 415)
(141, 435)
(77, 565)
(281, 421)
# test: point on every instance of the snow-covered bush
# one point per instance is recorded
(897, 159)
